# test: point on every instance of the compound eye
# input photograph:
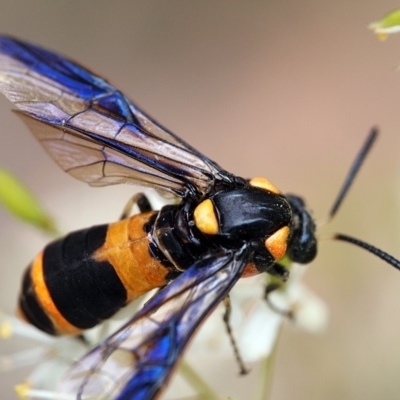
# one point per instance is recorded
(265, 184)
(205, 218)
(276, 244)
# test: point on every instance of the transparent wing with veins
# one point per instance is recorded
(92, 130)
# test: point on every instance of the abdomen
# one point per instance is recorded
(86, 277)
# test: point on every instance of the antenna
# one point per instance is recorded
(372, 249)
(358, 162)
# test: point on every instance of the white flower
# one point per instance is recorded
(255, 325)
(51, 356)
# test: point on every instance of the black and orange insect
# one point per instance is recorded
(224, 228)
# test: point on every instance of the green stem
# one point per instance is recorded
(266, 374)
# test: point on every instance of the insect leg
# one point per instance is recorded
(226, 319)
(141, 200)
(281, 273)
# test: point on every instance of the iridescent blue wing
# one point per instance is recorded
(136, 362)
(92, 130)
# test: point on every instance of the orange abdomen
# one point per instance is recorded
(86, 277)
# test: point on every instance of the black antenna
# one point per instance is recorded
(372, 249)
(343, 192)
(358, 162)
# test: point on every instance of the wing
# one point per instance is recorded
(137, 361)
(92, 130)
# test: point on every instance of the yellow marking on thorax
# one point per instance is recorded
(265, 184)
(276, 244)
(205, 218)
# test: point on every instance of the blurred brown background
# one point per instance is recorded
(287, 89)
